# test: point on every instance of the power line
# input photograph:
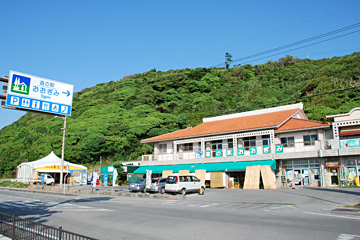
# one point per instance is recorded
(297, 43)
(301, 47)
(264, 35)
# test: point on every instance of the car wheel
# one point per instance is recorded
(183, 191)
(143, 190)
(162, 191)
(202, 191)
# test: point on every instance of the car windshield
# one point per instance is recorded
(138, 181)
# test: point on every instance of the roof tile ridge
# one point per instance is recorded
(165, 134)
(307, 120)
(260, 114)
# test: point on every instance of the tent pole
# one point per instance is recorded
(62, 154)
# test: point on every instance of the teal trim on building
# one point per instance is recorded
(210, 167)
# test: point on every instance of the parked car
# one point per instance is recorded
(184, 184)
(138, 185)
(48, 180)
(157, 185)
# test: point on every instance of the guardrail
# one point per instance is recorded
(19, 229)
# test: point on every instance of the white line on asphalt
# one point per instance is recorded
(346, 237)
(26, 204)
(209, 205)
(2, 206)
(12, 205)
(330, 215)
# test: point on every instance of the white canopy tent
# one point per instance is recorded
(50, 164)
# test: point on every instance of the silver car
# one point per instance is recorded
(137, 186)
(184, 184)
(157, 185)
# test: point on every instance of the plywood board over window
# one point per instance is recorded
(166, 173)
(201, 174)
(252, 177)
(267, 177)
(216, 180)
(184, 172)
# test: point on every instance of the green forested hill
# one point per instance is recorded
(110, 119)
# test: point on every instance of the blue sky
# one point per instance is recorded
(89, 42)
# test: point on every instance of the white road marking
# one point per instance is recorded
(2, 206)
(209, 205)
(330, 215)
(12, 204)
(346, 237)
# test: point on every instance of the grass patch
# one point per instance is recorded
(354, 206)
(13, 184)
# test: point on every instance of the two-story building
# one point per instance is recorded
(299, 151)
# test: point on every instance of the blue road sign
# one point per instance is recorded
(39, 94)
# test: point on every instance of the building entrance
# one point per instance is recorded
(301, 176)
(334, 176)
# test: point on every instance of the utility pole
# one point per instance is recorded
(62, 153)
(100, 166)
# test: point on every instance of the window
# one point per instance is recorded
(194, 179)
(230, 143)
(250, 141)
(310, 139)
(216, 145)
(266, 140)
(288, 141)
(350, 136)
(162, 148)
(188, 147)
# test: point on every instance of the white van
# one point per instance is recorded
(183, 184)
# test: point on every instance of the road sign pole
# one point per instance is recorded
(62, 154)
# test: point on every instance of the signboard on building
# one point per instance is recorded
(218, 153)
(229, 152)
(241, 151)
(350, 143)
(39, 94)
(266, 149)
(197, 154)
(253, 150)
(279, 148)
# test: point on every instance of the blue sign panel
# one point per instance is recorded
(37, 105)
(39, 94)
(105, 179)
(42, 179)
(197, 154)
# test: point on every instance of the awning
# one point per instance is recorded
(210, 167)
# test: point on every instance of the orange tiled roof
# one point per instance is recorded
(294, 124)
(260, 121)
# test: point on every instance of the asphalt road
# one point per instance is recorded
(219, 214)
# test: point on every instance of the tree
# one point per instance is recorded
(228, 60)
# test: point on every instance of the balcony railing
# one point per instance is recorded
(240, 152)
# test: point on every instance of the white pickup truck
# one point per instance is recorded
(48, 180)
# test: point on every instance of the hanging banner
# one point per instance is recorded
(148, 178)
